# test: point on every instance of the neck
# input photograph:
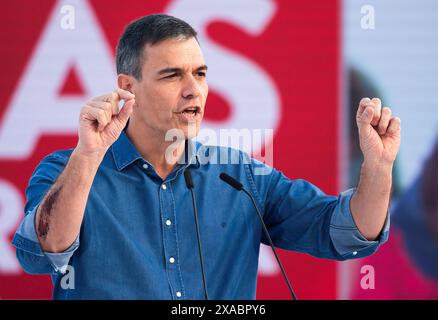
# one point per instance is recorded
(154, 149)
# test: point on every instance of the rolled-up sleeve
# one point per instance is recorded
(28, 250)
(300, 217)
(346, 237)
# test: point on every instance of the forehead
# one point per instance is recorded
(185, 54)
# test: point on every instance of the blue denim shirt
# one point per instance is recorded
(138, 238)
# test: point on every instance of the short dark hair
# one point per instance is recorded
(150, 29)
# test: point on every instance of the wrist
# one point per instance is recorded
(375, 177)
(375, 165)
(90, 158)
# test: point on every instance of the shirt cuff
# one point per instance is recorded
(346, 237)
(26, 239)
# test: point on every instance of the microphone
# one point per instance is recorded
(190, 186)
(238, 186)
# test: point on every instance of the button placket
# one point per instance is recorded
(170, 239)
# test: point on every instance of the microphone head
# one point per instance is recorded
(188, 178)
(231, 181)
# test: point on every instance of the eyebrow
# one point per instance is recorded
(179, 70)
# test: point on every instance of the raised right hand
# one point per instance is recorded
(101, 122)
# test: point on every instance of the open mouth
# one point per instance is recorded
(190, 114)
(191, 111)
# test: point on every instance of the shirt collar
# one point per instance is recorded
(125, 153)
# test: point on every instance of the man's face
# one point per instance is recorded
(173, 84)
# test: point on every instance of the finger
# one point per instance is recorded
(125, 113)
(105, 97)
(117, 95)
(377, 104)
(362, 105)
(99, 104)
(107, 107)
(384, 121)
(102, 119)
(394, 126)
(111, 98)
(96, 114)
(366, 117)
(124, 94)
(114, 98)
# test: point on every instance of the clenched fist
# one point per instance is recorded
(379, 132)
(101, 122)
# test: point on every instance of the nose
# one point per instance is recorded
(191, 88)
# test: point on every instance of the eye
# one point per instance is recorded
(173, 75)
(202, 74)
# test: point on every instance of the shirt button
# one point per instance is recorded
(354, 253)
(145, 166)
(178, 294)
(171, 259)
(163, 186)
(168, 222)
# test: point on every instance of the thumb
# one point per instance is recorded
(124, 114)
(366, 117)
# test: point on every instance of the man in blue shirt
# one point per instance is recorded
(116, 213)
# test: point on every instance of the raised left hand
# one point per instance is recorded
(379, 132)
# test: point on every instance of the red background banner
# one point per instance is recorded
(300, 51)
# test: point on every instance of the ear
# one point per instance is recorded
(125, 82)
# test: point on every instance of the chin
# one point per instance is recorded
(191, 131)
(183, 131)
